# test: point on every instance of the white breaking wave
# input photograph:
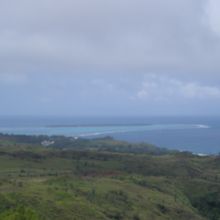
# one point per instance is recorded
(101, 133)
(202, 126)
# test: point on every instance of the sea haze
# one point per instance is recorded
(196, 134)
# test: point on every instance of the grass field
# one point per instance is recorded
(38, 183)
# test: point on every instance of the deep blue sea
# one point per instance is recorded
(195, 134)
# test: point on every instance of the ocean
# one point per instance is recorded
(195, 134)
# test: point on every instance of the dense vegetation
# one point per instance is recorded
(104, 179)
(100, 144)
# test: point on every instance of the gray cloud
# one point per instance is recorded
(171, 90)
(135, 36)
(78, 50)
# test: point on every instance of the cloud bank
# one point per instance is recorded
(115, 36)
(163, 88)
(54, 54)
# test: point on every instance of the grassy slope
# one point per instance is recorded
(38, 183)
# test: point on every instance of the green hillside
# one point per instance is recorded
(102, 181)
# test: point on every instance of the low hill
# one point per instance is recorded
(102, 181)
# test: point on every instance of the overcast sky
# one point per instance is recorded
(112, 57)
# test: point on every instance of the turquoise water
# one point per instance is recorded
(196, 134)
(90, 130)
